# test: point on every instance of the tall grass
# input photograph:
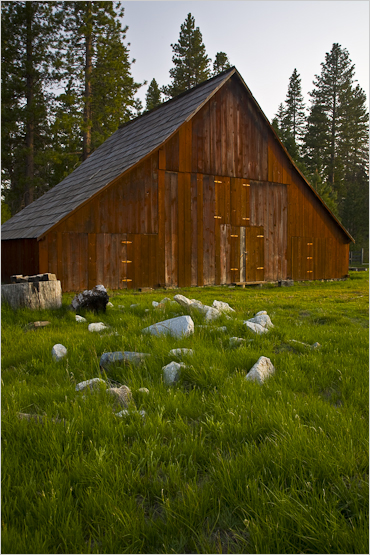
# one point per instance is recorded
(218, 464)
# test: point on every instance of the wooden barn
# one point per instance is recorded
(198, 191)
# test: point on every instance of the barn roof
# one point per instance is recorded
(120, 152)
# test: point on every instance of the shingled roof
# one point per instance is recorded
(127, 146)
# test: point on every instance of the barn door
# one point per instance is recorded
(303, 254)
(254, 254)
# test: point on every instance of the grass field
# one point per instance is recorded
(218, 464)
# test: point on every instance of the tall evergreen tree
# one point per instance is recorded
(99, 89)
(29, 31)
(153, 95)
(295, 117)
(191, 63)
(221, 63)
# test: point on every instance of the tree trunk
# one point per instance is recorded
(30, 125)
(88, 71)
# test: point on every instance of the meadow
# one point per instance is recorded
(218, 464)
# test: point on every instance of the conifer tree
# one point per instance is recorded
(99, 89)
(153, 95)
(294, 116)
(29, 32)
(221, 63)
(191, 63)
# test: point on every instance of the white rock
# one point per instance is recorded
(261, 370)
(146, 310)
(256, 328)
(315, 345)
(222, 307)
(125, 412)
(80, 318)
(171, 372)
(181, 352)
(166, 300)
(92, 384)
(134, 305)
(144, 390)
(110, 304)
(236, 341)
(155, 304)
(97, 326)
(177, 327)
(183, 301)
(212, 314)
(263, 320)
(58, 351)
(223, 329)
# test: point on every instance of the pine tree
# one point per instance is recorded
(99, 89)
(29, 31)
(191, 63)
(221, 63)
(294, 116)
(153, 95)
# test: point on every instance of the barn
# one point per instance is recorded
(198, 191)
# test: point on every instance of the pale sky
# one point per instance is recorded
(265, 40)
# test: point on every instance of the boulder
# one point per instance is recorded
(122, 395)
(122, 356)
(183, 301)
(176, 327)
(58, 352)
(94, 383)
(95, 299)
(222, 307)
(255, 328)
(97, 326)
(171, 372)
(212, 314)
(262, 319)
(261, 370)
(80, 318)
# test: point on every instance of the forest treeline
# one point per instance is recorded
(67, 86)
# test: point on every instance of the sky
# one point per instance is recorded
(265, 40)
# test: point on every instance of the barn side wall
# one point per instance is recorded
(19, 256)
(220, 202)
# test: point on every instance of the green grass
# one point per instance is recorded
(219, 464)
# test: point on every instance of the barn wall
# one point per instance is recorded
(220, 202)
(19, 256)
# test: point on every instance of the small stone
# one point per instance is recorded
(125, 412)
(171, 372)
(94, 383)
(176, 327)
(180, 352)
(110, 304)
(222, 307)
(256, 328)
(40, 324)
(143, 390)
(316, 345)
(146, 310)
(122, 356)
(80, 318)
(222, 329)
(261, 370)
(134, 305)
(58, 351)
(98, 326)
(155, 304)
(236, 341)
(122, 395)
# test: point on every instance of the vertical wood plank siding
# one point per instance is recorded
(219, 202)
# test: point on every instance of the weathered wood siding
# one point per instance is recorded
(19, 256)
